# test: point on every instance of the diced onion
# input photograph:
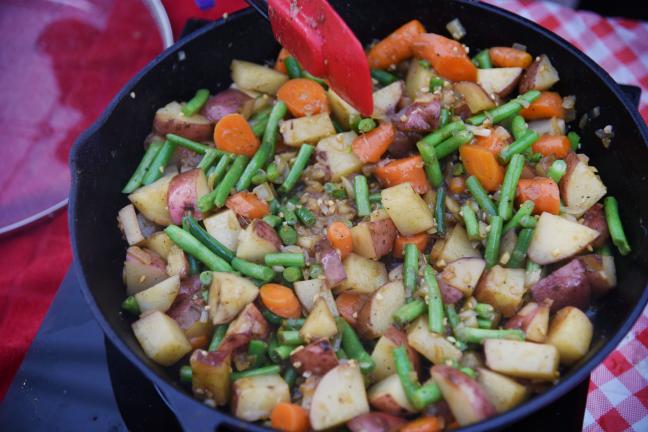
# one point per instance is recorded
(264, 192)
(519, 46)
(348, 187)
(569, 102)
(479, 131)
(456, 29)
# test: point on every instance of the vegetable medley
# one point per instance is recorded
(424, 268)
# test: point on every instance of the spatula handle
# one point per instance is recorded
(261, 6)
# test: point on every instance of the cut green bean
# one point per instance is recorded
(518, 256)
(509, 186)
(196, 103)
(292, 274)
(256, 271)
(438, 136)
(285, 259)
(310, 76)
(194, 266)
(271, 317)
(444, 117)
(272, 172)
(288, 235)
(205, 278)
(191, 145)
(353, 347)
(613, 219)
(471, 223)
(484, 323)
(453, 317)
(215, 173)
(574, 140)
(259, 177)
(208, 240)
(366, 125)
(436, 83)
(289, 337)
(439, 210)
(335, 191)
(518, 146)
(305, 152)
(506, 110)
(468, 371)
(431, 163)
(453, 143)
(233, 174)
(217, 338)
(409, 312)
(480, 195)
(383, 77)
(293, 67)
(518, 127)
(491, 255)
(160, 162)
(257, 350)
(208, 159)
(341, 355)
(525, 210)
(259, 126)
(305, 216)
(528, 222)
(435, 302)
(483, 60)
(557, 170)
(375, 198)
(186, 374)
(361, 189)
(192, 246)
(290, 376)
(293, 323)
(280, 352)
(289, 216)
(266, 370)
(410, 267)
(272, 220)
(478, 335)
(419, 396)
(315, 271)
(140, 172)
(130, 305)
(485, 311)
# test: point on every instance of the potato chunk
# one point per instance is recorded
(502, 288)
(254, 398)
(377, 313)
(225, 228)
(456, 246)
(335, 153)
(160, 296)
(432, 346)
(252, 76)
(308, 129)
(161, 338)
(556, 238)
(228, 295)
(580, 187)
(151, 201)
(504, 392)
(320, 322)
(407, 210)
(388, 396)
(522, 359)
(571, 333)
(364, 276)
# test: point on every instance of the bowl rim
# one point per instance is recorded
(173, 394)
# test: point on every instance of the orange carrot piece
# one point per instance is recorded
(548, 105)
(424, 424)
(544, 193)
(420, 240)
(303, 97)
(233, 134)
(482, 163)
(409, 169)
(495, 142)
(281, 300)
(371, 146)
(396, 47)
(557, 145)
(248, 205)
(349, 306)
(509, 57)
(457, 185)
(279, 64)
(339, 235)
(289, 417)
(448, 57)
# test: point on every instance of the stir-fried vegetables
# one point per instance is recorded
(312, 268)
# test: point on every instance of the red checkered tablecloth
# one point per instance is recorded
(618, 392)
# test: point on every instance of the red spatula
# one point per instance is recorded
(321, 41)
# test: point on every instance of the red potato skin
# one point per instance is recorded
(331, 262)
(385, 403)
(567, 286)
(375, 422)
(317, 358)
(266, 232)
(450, 294)
(383, 233)
(530, 318)
(399, 338)
(593, 269)
(249, 322)
(164, 124)
(187, 308)
(226, 102)
(594, 218)
(403, 144)
(182, 196)
(528, 80)
(419, 117)
(213, 364)
(349, 306)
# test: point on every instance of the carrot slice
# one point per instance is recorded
(279, 64)
(233, 134)
(420, 240)
(424, 424)
(548, 105)
(289, 418)
(339, 235)
(409, 169)
(557, 145)
(248, 205)
(371, 146)
(482, 163)
(544, 193)
(349, 305)
(448, 57)
(396, 47)
(281, 300)
(495, 142)
(303, 97)
(509, 57)
(457, 185)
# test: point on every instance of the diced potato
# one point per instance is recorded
(580, 187)
(225, 228)
(502, 391)
(388, 396)
(383, 357)
(556, 238)
(184, 192)
(522, 359)
(160, 296)
(210, 377)
(254, 398)
(251, 76)
(161, 338)
(335, 152)
(456, 246)
(363, 275)
(320, 323)
(177, 263)
(160, 243)
(432, 346)
(307, 292)
(386, 99)
(499, 81)
(463, 274)
(170, 119)
(407, 209)
(129, 225)
(306, 130)
(374, 239)
(249, 323)
(376, 314)
(550, 126)
(417, 80)
(151, 201)
(142, 269)
(253, 246)
(533, 319)
(342, 110)
(327, 296)
(474, 95)
(228, 295)
(502, 288)
(541, 75)
(571, 333)
(339, 397)
(507, 245)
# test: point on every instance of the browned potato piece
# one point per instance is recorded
(567, 286)
(142, 269)
(468, 402)
(373, 239)
(228, 101)
(320, 322)
(151, 201)
(161, 338)
(375, 422)
(432, 346)
(184, 191)
(364, 276)
(499, 81)
(160, 296)
(504, 392)
(386, 99)
(377, 313)
(307, 390)
(383, 357)
(474, 95)
(463, 274)
(254, 398)
(170, 120)
(556, 238)
(257, 240)
(388, 396)
(594, 218)
(177, 264)
(502, 288)
(317, 358)
(210, 378)
(522, 359)
(250, 323)
(541, 75)
(533, 319)
(349, 306)
(580, 187)
(571, 333)
(228, 295)
(187, 309)
(455, 246)
(600, 271)
(407, 209)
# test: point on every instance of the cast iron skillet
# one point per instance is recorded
(104, 157)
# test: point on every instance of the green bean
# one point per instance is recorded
(271, 317)
(130, 305)
(305, 216)
(335, 191)
(192, 246)
(191, 145)
(216, 173)
(290, 376)
(272, 220)
(233, 174)
(435, 302)
(320, 81)
(409, 312)
(431, 162)
(196, 103)
(353, 347)
(315, 270)
(574, 140)
(453, 317)
(444, 117)
(366, 125)
(293, 323)
(257, 349)
(266, 370)
(383, 77)
(518, 127)
(520, 251)
(509, 186)
(208, 159)
(341, 355)
(194, 266)
(158, 164)
(483, 60)
(259, 178)
(613, 219)
(424, 64)
(528, 222)
(256, 271)
(557, 170)
(441, 134)
(453, 143)
(266, 149)
(293, 67)
(480, 195)
(272, 172)
(305, 152)
(478, 335)
(436, 83)
(470, 220)
(519, 145)
(525, 210)
(439, 210)
(419, 397)
(280, 353)
(485, 311)
(410, 267)
(290, 337)
(148, 158)
(288, 235)
(483, 323)
(289, 215)
(468, 371)
(506, 110)
(375, 198)
(217, 338)
(285, 259)
(208, 240)
(206, 278)
(292, 274)
(361, 189)
(259, 126)
(491, 255)
(336, 124)
(186, 374)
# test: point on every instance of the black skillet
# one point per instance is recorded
(105, 156)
